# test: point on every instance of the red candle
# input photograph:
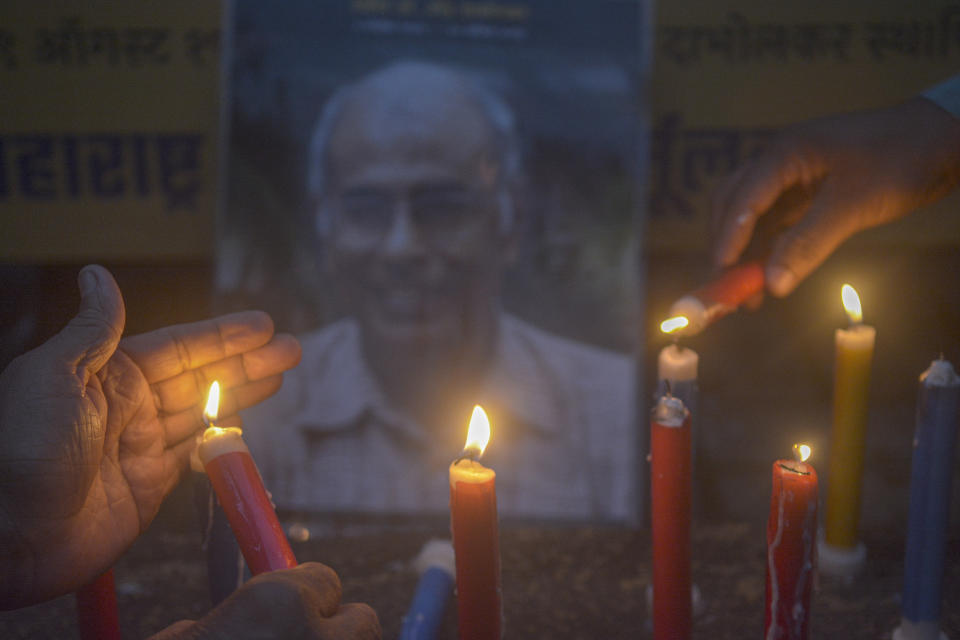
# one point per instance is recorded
(791, 558)
(718, 298)
(244, 499)
(476, 540)
(97, 609)
(670, 490)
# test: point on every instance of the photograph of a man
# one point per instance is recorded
(412, 175)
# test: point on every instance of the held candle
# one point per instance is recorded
(476, 539)
(791, 559)
(934, 444)
(670, 505)
(854, 354)
(241, 493)
(716, 299)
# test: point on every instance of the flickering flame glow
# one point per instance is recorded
(851, 302)
(478, 435)
(213, 402)
(674, 324)
(802, 451)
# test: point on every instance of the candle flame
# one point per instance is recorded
(478, 435)
(213, 402)
(851, 302)
(674, 324)
(802, 451)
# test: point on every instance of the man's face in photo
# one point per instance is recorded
(416, 236)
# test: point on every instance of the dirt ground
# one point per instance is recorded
(558, 582)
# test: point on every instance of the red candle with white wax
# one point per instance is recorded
(791, 548)
(670, 502)
(242, 496)
(476, 537)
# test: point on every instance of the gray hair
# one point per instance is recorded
(498, 115)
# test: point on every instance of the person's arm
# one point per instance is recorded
(303, 602)
(851, 172)
(95, 431)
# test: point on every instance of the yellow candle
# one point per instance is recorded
(854, 354)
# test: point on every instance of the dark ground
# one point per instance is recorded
(581, 582)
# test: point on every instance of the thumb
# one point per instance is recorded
(810, 242)
(91, 337)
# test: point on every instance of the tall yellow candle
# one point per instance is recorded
(854, 354)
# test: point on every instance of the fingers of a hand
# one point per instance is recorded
(190, 387)
(170, 351)
(91, 337)
(807, 244)
(305, 590)
(719, 199)
(189, 397)
(324, 585)
(762, 183)
(177, 631)
(187, 424)
(354, 620)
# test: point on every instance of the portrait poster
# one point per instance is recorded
(442, 200)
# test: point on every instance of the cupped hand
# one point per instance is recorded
(832, 177)
(95, 431)
(298, 604)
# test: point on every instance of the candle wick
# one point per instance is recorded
(469, 453)
(797, 471)
(669, 385)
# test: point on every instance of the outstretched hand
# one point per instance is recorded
(852, 172)
(95, 431)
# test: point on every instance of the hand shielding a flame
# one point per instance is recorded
(96, 430)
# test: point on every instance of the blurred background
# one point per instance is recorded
(113, 150)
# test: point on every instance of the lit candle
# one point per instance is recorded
(791, 560)
(97, 617)
(241, 493)
(476, 540)
(842, 552)
(437, 573)
(716, 299)
(670, 506)
(932, 472)
(677, 365)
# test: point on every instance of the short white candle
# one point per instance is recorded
(677, 364)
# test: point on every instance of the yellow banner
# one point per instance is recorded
(109, 116)
(729, 74)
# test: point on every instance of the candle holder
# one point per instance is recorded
(840, 562)
(918, 631)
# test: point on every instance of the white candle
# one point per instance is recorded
(677, 364)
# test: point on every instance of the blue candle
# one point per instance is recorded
(437, 574)
(930, 479)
